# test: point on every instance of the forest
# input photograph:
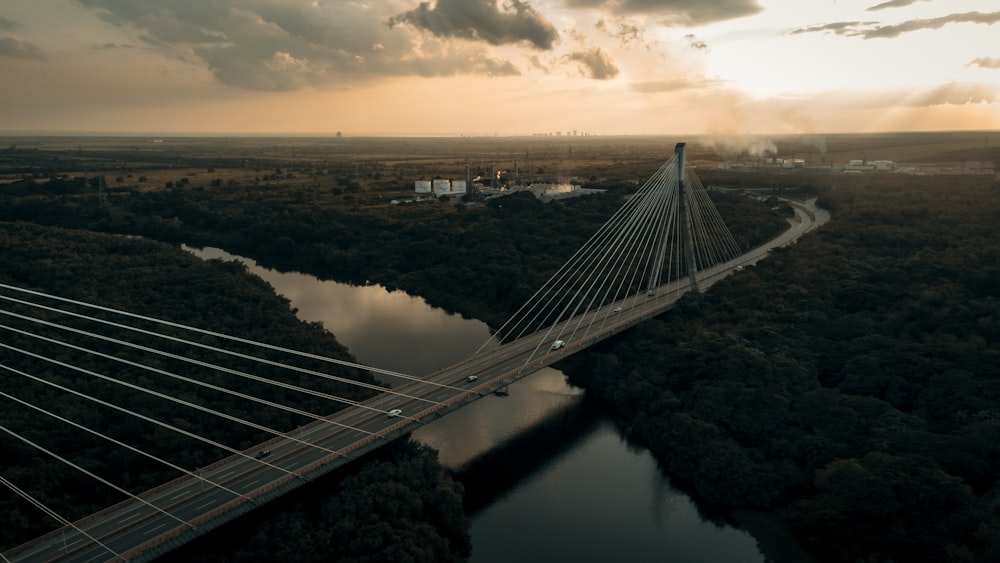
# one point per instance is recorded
(845, 386)
(848, 383)
(161, 280)
(481, 260)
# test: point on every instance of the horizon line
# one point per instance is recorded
(402, 135)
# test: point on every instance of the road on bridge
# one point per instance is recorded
(189, 506)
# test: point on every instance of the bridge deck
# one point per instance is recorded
(141, 532)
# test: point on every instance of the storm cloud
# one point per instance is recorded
(873, 30)
(482, 20)
(594, 63)
(11, 47)
(675, 12)
(624, 32)
(293, 44)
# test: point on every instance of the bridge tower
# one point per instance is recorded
(685, 216)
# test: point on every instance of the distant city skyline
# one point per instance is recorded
(503, 67)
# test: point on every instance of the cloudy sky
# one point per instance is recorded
(473, 67)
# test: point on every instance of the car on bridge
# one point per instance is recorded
(472, 378)
(395, 412)
(558, 344)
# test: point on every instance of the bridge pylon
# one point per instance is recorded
(685, 217)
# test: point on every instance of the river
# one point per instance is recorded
(548, 476)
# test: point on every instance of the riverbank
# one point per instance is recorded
(845, 385)
(539, 464)
(774, 538)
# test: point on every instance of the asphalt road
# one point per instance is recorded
(188, 506)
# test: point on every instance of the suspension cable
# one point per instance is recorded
(53, 514)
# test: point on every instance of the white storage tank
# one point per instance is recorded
(422, 186)
(442, 186)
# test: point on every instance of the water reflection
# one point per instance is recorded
(384, 329)
(497, 472)
(480, 426)
(548, 478)
(601, 501)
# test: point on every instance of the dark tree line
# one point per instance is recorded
(154, 279)
(483, 261)
(399, 506)
(849, 383)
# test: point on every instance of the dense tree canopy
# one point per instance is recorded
(400, 506)
(483, 260)
(847, 383)
(155, 279)
(850, 381)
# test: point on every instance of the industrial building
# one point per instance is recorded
(440, 186)
(854, 166)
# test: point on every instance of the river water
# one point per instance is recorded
(548, 477)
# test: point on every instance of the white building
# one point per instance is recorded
(441, 186)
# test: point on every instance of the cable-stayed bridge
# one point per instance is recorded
(666, 240)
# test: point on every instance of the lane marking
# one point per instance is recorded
(151, 530)
(127, 518)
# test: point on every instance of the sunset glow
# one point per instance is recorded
(485, 67)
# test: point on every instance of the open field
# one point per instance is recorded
(385, 164)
